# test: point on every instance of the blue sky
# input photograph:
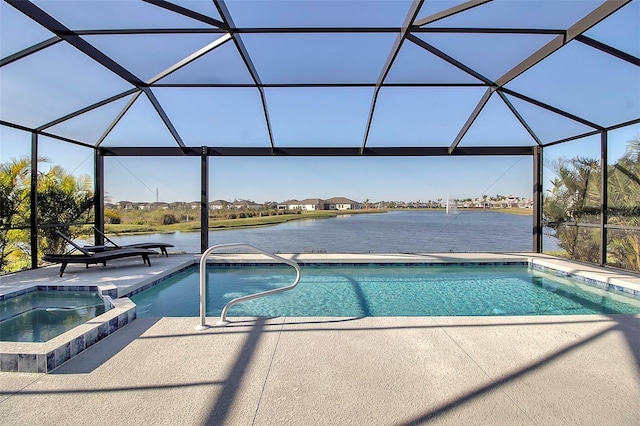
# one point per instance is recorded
(60, 80)
(281, 178)
(408, 179)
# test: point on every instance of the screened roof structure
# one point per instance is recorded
(319, 78)
(388, 77)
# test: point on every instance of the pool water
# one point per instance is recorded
(381, 290)
(42, 315)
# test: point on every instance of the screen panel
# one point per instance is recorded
(91, 125)
(545, 14)
(571, 203)
(318, 13)
(424, 116)
(319, 58)
(147, 55)
(108, 14)
(620, 30)
(319, 116)
(623, 197)
(585, 82)
(216, 116)
(496, 125)
(140, 126)
(223, 65)
(393, 205)
(53, 83)
(206, 8)
(17, 31)
(416, 65)
(492, 55)
(547, 125)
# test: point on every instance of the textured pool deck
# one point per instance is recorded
(551, 370)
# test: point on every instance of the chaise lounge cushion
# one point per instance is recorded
(146, 245)
(100, 257)
(89, 258)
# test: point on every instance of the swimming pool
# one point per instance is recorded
(40, 315)
(383, 290)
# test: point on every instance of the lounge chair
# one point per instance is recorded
(161, 246)
(89, 258)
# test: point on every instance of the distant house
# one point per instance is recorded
(158, 205)
(312, 204)
(270, 205)
(288, 205)
(124, 205)
(177, 205)
(342, 203)
(511, 201)
(218, 204)
(526, 204)
(246, 204)
(481, 203)
(142, 206)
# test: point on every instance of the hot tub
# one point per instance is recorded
(42, 327)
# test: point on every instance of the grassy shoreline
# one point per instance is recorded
(225, 224)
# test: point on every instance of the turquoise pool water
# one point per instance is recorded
(42, 315)
(372, 290)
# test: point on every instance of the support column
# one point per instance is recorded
(98, 190)
(33, 199)
(204, 199)
(604, 177)
(537, 199)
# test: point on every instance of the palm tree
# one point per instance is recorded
(575, 197)
(63, 199)
(14, 208)
(623, 246)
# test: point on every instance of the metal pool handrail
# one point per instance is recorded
(203, 282)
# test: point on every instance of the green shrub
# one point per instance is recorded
(112, 216)
(169, 219)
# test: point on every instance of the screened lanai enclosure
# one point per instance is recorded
(198, 96)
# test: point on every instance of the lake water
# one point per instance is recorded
(391, 232)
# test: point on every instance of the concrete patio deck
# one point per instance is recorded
(545, 370)
(328, 371)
